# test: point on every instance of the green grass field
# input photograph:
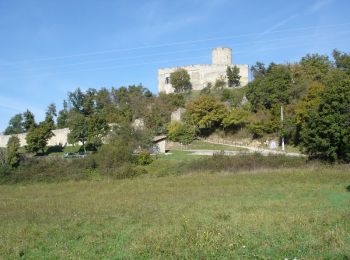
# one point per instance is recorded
(272, 214)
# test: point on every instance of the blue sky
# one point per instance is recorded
(48, 48)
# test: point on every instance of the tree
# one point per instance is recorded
(79, 129)
(326, 130)
(180, 80)
(28, 121)
(182, 133)
(258, 70)
(236, 119)
(219, 83)
(76, 100)
(342, 61)
(263, 122)
(12, 152)
(37, 137)
(62, 118)
(205, 112)
(87, 129)
(233, 77)
(315, 66)
(15, 125)
(275, 88)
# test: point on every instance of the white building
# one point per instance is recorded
(203, 74)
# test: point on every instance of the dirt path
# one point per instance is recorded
(250, 150)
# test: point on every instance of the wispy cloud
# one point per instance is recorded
(278, 25)
(318, 5)
(17, 107)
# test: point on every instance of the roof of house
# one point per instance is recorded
(159, 138)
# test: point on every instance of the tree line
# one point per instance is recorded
(314, 92)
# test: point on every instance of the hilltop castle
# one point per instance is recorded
(203, 74)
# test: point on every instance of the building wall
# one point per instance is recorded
(200, 75)
(221, 56)
(60, 137)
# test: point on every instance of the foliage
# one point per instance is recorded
(326, 130)
(205, 112)
(159, 113)
(263, 122)
(258, 70)
(144, 158)
(28, 120)
(220, 83)
(236, 118)
(37, 137)
(87, 129)
(62, 118)
(180, 80)
(15, 125)
(233, 77)
(234, 96)
(275, 88)
(182, 133)
(315, 66)
(342, 61)
(12, 152)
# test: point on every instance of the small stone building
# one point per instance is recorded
(203, 74)
(159, 144)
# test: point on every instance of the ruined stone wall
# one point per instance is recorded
(60, 137)
(200, 76)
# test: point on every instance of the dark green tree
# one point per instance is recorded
(315, 66)
(62, 118)
(180, 80)
(15, 125)
(87, 129)
(326, 130)
(233, 77)
(37, 137)
(12, 152)
(342, 61)
(28, 120)
(274, 89)
(258, 70)
(76, 100)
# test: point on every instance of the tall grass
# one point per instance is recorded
(270, 214)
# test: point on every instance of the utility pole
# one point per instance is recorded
(282, 128)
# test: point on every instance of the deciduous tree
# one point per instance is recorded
(180, 80)
(12, 152)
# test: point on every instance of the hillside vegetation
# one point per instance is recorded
(314, 94)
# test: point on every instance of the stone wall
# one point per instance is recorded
(60, 137)
(200, 76)
(176, 116)
(203, 74)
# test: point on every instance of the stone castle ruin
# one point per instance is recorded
(203, 74)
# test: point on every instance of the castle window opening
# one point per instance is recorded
(167, 80)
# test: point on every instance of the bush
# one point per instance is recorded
(220, 162)
(181, 133)
(144, 158)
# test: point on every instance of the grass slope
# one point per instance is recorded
(266, 214)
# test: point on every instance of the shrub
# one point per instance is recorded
(144, 158)
(179, 132)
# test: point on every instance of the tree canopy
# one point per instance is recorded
(180, 80)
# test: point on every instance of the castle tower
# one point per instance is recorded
(221, 56)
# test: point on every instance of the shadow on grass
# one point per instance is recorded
(348, 188)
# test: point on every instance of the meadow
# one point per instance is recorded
(262, 214)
